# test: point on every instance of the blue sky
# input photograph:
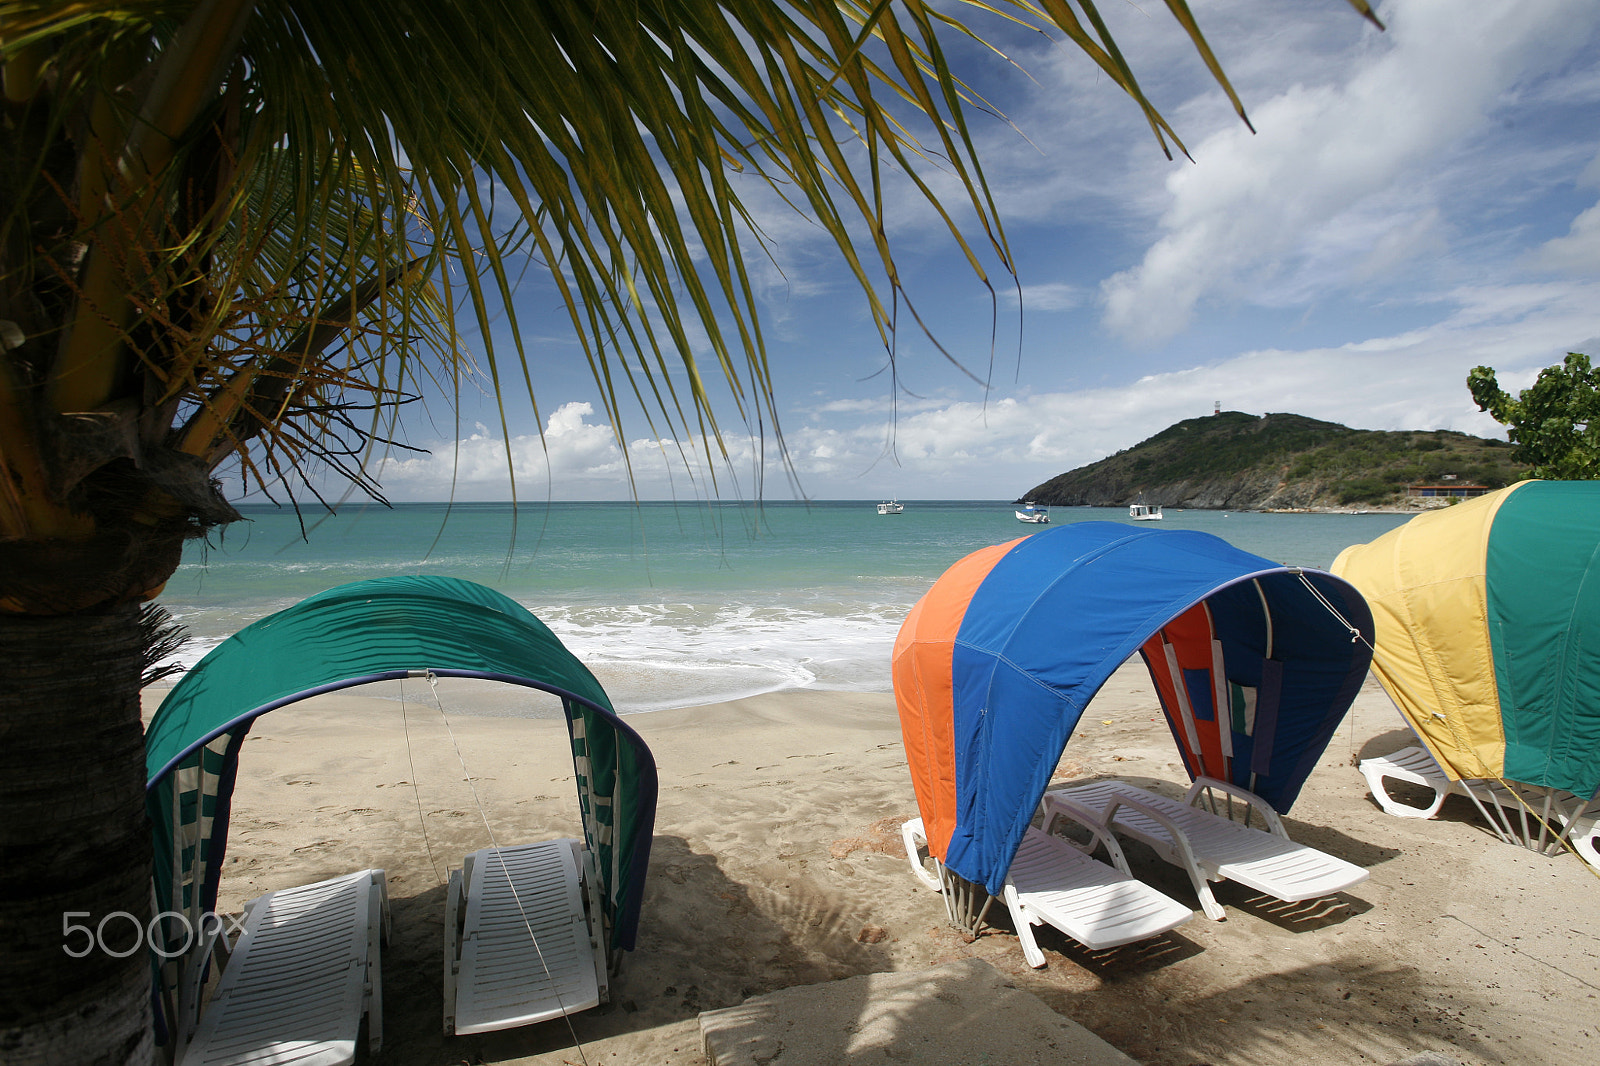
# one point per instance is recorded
(1414, 203)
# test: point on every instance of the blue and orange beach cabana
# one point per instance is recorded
(1255, 663)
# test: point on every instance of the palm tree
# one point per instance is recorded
(238, 231)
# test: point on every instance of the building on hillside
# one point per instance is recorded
(1448, 486)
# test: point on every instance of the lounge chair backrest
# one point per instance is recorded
(1213, 847)
(522, 941)
(303, 973)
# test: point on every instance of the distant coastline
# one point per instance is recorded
(1412, 505)
(1285, 464)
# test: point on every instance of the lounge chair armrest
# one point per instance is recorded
(209, 947)
(1064, 807)
(1180, 839)
(380, 882)
(1204, 784)
(454, 894)
(377, 938)
(599, 928)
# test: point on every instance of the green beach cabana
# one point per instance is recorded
(382, 630)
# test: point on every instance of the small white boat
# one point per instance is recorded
(1033, 513)
(1141, 512)
(891, 507)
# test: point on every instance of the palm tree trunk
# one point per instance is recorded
(74, 841)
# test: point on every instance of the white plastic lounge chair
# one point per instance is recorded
(1212, 847)
(521, 945)
(1053, 880)
(1585, 836)
(298, 980)
(915, 836)
(1412, 764)
(1517, 814)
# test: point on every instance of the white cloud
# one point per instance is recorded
(1576, 253)
(945, 449)
(874, 405)
(1049, 296)
(1364, 187)
(1590, 178)
(1411, 380)
(1334, 156)
(573, 451)
(1071, 145)
(577, 459)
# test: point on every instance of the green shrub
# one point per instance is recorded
(1364, 490)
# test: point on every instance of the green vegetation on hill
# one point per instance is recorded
(1239, 460)
(1373, 466)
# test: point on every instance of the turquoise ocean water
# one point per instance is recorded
(675, 604)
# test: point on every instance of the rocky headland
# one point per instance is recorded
(1237, 461)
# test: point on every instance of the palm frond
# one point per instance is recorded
(243, 169)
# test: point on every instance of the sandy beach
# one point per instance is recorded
(777, 862)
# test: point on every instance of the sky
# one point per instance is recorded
(1413, 203)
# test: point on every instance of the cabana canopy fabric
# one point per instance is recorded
(1488, 631)
(1254, 662)
(373, 631)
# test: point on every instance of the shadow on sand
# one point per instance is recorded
(727, 941)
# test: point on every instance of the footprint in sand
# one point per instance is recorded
(318, 844)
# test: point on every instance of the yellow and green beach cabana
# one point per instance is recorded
(1487, 620)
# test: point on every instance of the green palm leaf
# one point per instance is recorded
(593, 143)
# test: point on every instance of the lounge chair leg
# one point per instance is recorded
(1585, 847)
(916, 842)
(1019, 917)
(1408, 764)
(1393, 806)
(1208, 902)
